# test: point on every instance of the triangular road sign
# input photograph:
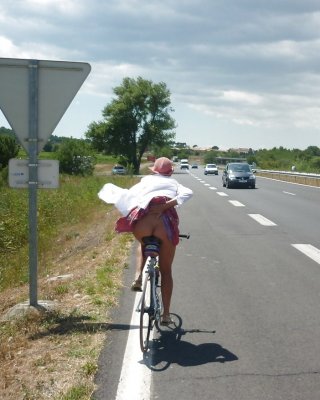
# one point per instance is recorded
(58, 83)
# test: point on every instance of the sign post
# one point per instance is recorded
(34, 95)
(33, 180)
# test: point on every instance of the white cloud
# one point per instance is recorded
(241, 97)
(237, 64)
(69, 7)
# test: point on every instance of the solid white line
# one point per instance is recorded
(236, 203)
(135, 378)
(222, 194)
(291, 194)
(309, 250)
(262, 220)
(291, 183)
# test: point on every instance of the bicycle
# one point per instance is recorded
(150, 304)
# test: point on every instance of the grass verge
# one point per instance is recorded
(54, 355)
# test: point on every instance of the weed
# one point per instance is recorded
(89, 368)
(80, 392)
(61, 289)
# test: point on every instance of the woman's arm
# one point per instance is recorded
(183, 194)
(160, 208)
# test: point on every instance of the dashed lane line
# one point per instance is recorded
(236, 203)
(309, 250)
(262, 220)
(223, 194)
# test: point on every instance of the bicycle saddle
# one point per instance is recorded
(151, 246)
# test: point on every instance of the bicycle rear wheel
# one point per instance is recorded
(146, 318)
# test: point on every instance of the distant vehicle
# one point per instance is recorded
(238, 174)
(119, 170)
(184, 163)
(194, 166)
(253, 167)
(210, 169)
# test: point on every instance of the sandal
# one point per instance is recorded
(136, 285)
(166, 320)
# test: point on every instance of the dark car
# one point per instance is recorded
(238, 175)
(119, 170)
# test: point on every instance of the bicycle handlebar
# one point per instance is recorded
(187, 236)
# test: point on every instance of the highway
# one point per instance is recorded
(246, 299)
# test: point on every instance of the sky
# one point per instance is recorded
(241, 73)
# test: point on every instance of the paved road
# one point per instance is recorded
(247, 293)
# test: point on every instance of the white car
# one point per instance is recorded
(211, 169)
(184, 163)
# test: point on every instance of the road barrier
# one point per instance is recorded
(296, 177)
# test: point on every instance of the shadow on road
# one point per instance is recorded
(168, 348)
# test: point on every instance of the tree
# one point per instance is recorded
(137, 119)
(6, 131)
(313, 151)
(76, 157)
(9, 148)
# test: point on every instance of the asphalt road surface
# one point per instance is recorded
(246, 302)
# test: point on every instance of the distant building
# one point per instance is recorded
(240, 150)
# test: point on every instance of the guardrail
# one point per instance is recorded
(296, 177)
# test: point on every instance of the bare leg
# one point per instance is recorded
(136, 285)
(139, 262)
(166, 258)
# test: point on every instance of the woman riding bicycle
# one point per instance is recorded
(149, 209)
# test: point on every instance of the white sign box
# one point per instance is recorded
(48, 174)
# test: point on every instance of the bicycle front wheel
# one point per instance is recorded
(146, 318)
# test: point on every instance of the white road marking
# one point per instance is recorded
(212, 188)
(222, 194)
(236, 203)
(207, 184)
(290, 183)
(291, 194)
(135, 378)
(309, 250)
(262, 220)
(202, 181)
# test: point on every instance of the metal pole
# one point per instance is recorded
(33, 179)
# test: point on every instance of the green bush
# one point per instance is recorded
(9, 148)
(76, 157)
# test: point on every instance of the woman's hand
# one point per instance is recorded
(158, 209)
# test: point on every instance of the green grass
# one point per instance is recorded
(74, 201)
(81, 392)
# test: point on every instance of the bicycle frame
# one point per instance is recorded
(150, 304)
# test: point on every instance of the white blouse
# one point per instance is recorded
(141, 194)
